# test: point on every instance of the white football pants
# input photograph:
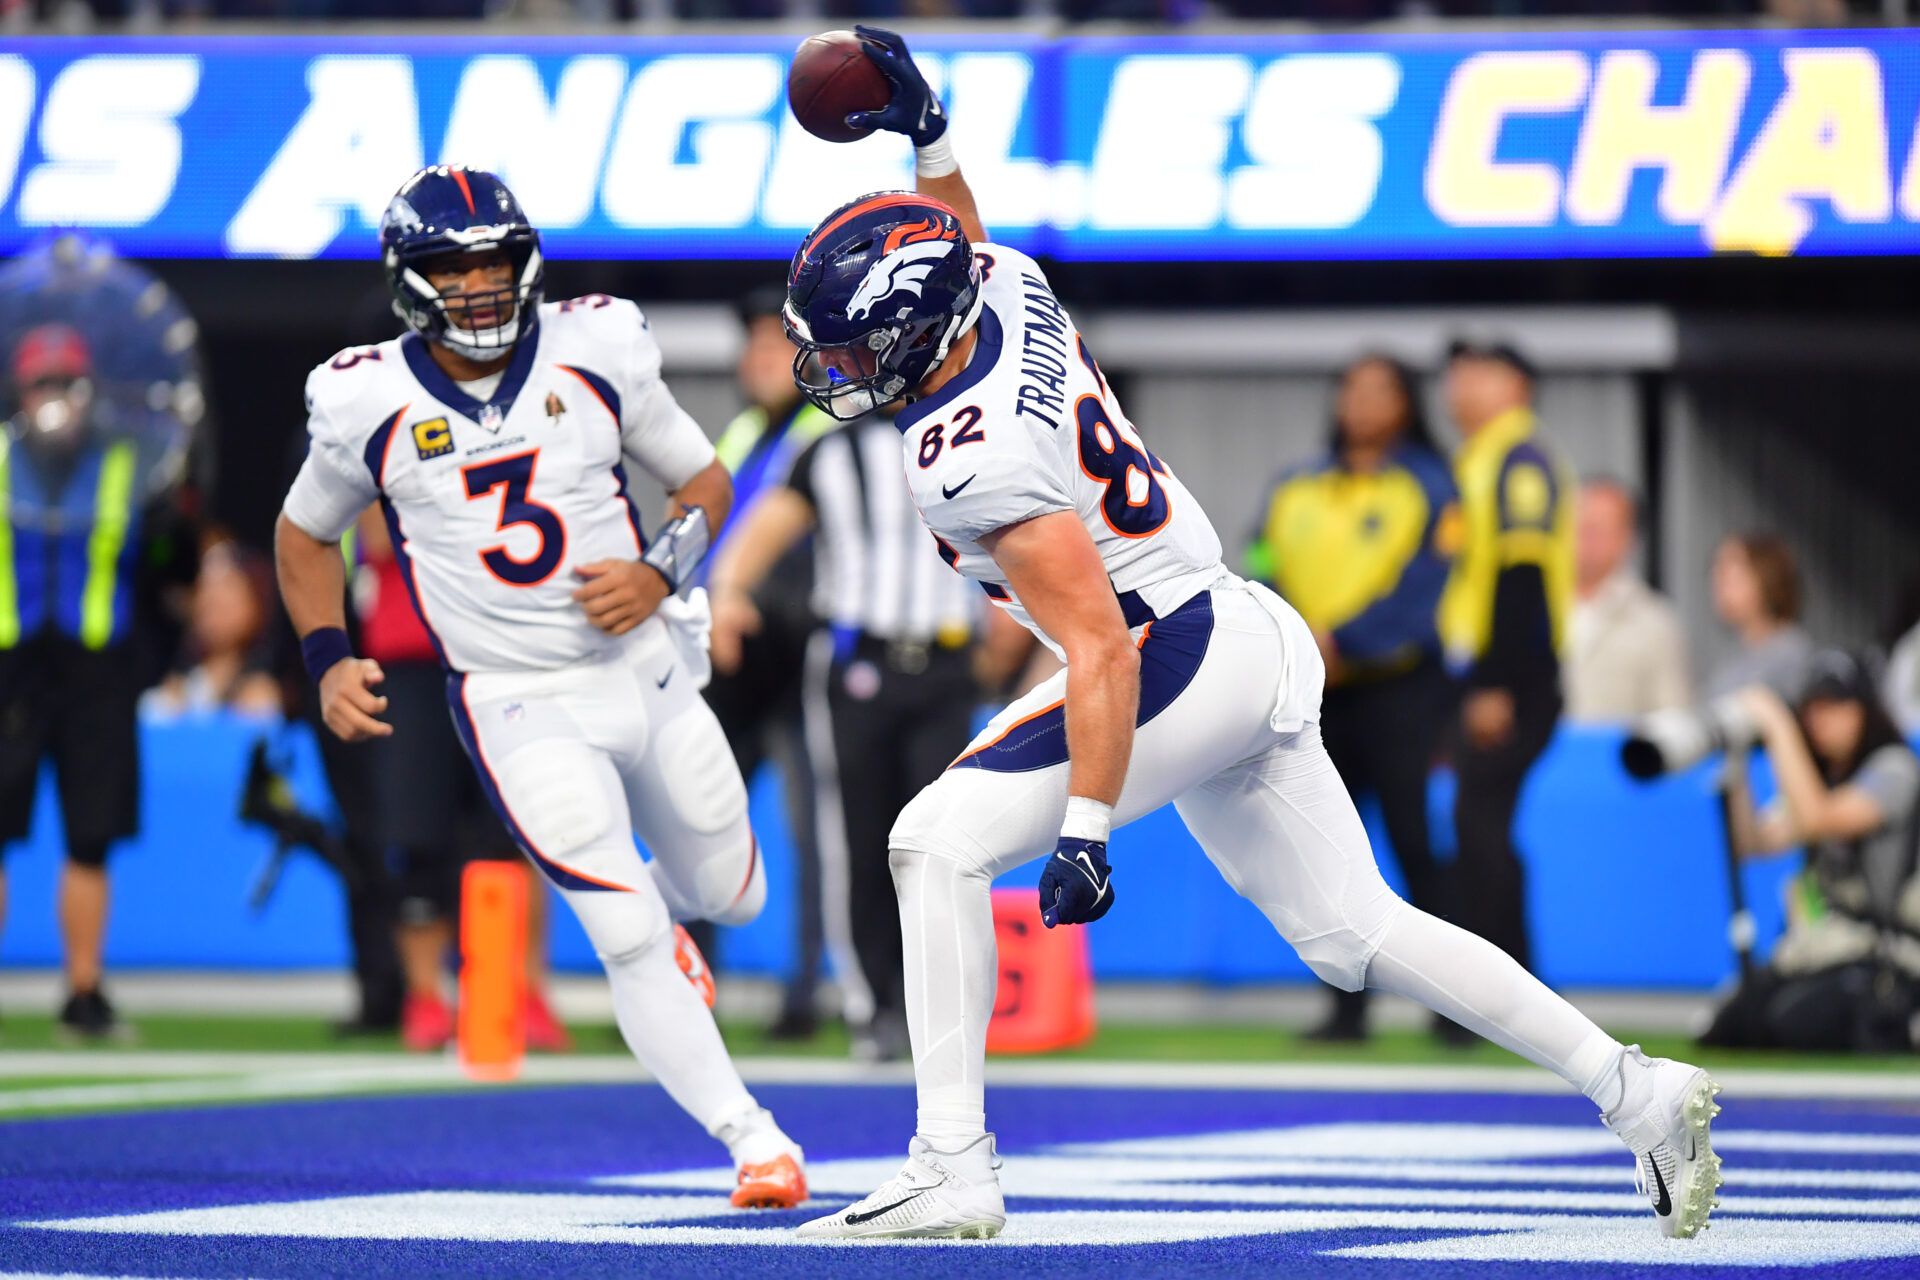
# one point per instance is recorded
(579, 760)
(1235, 745)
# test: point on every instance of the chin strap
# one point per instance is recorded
(678, 547)
(956, 330)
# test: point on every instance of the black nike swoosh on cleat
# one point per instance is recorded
(855, 1219)
(1662, 1202)
(955, 491)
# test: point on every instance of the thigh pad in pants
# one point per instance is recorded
(701, 780)
(556, 794)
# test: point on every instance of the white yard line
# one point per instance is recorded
(213, 1077)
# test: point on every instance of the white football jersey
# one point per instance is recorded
(1030, 427)
(492, 503)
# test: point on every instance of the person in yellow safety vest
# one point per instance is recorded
(1503, 620)
(67, 688)
(101, 391)
(1359, 540)
(755, 694)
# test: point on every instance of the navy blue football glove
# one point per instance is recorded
(1076, 887)
(914, 110)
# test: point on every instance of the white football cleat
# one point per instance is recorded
(948, 1194)
(1665, 1115)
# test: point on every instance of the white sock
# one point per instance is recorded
(1607, 1087)
(752, 1137)
(1481, 987)
(680, 909)
(946, 925)
(670, 1029)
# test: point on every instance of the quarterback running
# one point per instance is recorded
(1183, 684)
(496, 436)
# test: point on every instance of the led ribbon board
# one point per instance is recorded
(1648, 144)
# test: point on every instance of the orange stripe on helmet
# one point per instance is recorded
(466, 191)
(890, 200)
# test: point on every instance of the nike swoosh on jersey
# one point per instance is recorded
(855, 1219)
(954, 492)
(661, 683)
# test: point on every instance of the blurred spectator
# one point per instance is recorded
(1845, 973)
(103, 389)
(1359, 541)
(228, 671)
(1756, 592)
(889, 686)
(1901, 683)
(1807, 13)
(1503, 620)
(1626, 653)
(758, 701)
(431, 816)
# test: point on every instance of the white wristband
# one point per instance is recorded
(935, 160)
(1087, 820)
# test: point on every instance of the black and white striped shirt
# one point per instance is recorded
(877, 569)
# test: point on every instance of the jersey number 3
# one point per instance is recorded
(515, 475)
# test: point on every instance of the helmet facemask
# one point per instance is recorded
(888, 364)
(446, 318)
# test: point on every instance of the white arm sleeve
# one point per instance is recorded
(661, 438)
(329, 493)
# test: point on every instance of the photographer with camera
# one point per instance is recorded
(1846, 973)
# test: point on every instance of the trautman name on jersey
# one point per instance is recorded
(1043, 353)
(1029, 427)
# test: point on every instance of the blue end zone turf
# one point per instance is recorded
(614, 1181)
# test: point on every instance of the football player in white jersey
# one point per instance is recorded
(496, 436)
(1183, 684)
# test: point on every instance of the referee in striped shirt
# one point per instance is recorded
(889, 687)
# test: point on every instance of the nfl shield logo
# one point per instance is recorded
(491, 418)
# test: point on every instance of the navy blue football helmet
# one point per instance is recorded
(439, 216)
(876, 297)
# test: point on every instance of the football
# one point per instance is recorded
(831, 76)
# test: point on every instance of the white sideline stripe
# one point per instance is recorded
(1442, 1142)
(638, 1220)
(1043, 1178)
(250, 1075)
(1174, 1170)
